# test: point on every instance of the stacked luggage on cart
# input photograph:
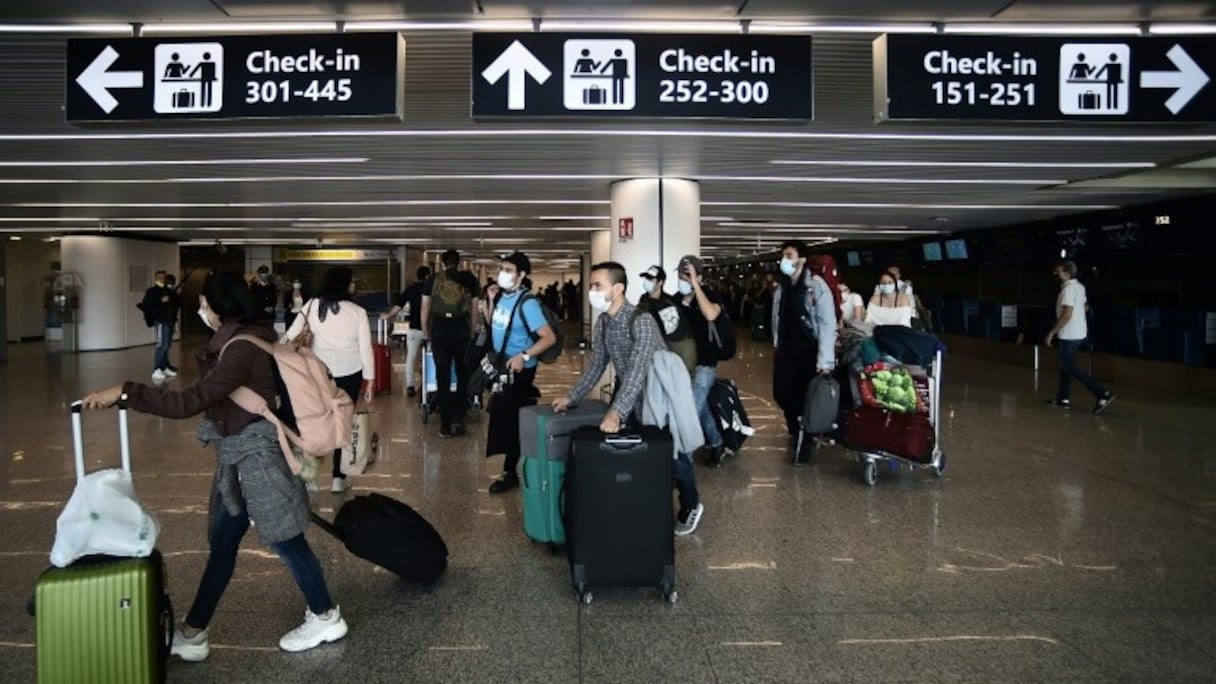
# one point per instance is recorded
(896, 379)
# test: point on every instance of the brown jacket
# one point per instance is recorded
(242, 365)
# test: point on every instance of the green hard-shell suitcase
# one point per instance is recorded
(544, 437)
(103, 619)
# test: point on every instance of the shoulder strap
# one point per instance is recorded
(510, 322)
(255, 341)
(252, 402)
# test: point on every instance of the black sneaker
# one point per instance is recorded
(716, 456)
(506, 483)
(445, 431)
(1062, 403)
(1103, 402)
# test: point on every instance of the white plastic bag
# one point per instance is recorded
(104, 517)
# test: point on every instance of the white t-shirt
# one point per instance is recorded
(1072, 293)
(889, 315)
(849, 304)
(343, 341)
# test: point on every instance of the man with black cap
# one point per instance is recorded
(669, 314)
(519, 332)
(1070, 332)
(704, 306)
(447, 321)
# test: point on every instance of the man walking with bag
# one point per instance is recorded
(447, 321)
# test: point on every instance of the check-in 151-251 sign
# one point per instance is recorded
(227, 77)
(1044, 78)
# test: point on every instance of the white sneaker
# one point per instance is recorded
(689, 524)
(315, 630)
(169, 373)
(190, 649)
(339, 485)
(158, 375)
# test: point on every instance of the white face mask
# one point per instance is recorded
(684, 287)
(506, 280)
(788, 267)
(598, 300)
(202, 313)
(648, 285)
(295, 286)
(886, 288)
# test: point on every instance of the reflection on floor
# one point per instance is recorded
(1058, 546)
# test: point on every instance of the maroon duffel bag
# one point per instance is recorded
(907, 435)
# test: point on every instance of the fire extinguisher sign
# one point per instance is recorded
(625, 228)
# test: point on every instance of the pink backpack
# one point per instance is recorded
(324, 414)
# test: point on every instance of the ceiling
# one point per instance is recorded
(440, 178)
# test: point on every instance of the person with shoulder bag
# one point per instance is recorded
(253, 480)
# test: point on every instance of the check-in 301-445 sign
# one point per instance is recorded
(1044, 78)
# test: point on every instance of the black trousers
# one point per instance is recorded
(502, 436)
(793, 368)
(350, 385)
(449, 344)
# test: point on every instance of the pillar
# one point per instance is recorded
(666, 218)
(3, 308)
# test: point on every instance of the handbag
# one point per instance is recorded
(304, 339)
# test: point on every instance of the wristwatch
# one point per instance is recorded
(527, 356)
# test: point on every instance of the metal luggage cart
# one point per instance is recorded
(430, 384)
(871, 458)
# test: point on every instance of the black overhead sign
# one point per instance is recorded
(643, 75)
(1040, 78)
(347, 74)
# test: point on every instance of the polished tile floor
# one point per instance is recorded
(1057, 546)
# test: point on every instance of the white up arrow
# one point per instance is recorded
(96, 79)
(1186, 81)
(517, 63)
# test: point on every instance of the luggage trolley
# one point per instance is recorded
(430, 384)
(870, 458)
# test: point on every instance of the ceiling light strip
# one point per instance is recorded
(965, 165)
(182, 162)
(532, 177)
(585, 133)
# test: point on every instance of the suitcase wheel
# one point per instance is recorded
(941, 465)
(671, 596)
(871, 473)
(585, 597)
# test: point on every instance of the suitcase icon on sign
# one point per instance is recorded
(183, 99)
(594, 95)
(1089, 100)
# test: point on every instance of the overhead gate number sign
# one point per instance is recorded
(643, 75)
(349, 74)
(1021, 78)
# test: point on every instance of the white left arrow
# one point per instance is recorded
(1186, 81)
(517, 62)
(97, 79)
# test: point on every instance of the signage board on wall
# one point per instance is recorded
(232, 77)
(284, 255)
(1028, 78)
(641, 75)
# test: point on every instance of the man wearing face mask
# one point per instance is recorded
(704, 306)
(629, 341)
(804, 331)
(264, 293)
(669, 314)
(519, 332)
(160, 306)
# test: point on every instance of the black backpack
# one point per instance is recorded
(729, 413)
(555, 324)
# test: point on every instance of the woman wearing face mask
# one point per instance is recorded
(889, 306)
(252, 478)
(519, 332)
(342, 339)
(293, 301)
(852, 308)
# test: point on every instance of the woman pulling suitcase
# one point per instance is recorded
(252, 478)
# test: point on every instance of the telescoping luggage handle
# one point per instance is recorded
(382, 331)
(124, 436)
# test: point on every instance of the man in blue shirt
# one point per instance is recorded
(518, 333)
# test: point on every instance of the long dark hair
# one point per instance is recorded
(229, 297)
(335, 289)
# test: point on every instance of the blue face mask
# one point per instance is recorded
(684, 287)
(886, 288)
(788, 267)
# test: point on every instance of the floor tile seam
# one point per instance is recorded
(1092, 660)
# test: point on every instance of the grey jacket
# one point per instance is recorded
(820, 307)
(668, 402)
(252, 476)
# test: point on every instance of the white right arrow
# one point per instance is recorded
(1187, 80)
(517, 63)
(96, 79)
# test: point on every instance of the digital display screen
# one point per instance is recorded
(853, 258)
(933, 251)
(956, 249)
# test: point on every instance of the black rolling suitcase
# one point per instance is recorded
(620, 531)
(390, 534)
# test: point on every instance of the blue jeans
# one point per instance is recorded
(1069, 370)
(164, 338)
(224, 538)
(686, 482)
(703, 378)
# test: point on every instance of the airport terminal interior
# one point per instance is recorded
(972, 144)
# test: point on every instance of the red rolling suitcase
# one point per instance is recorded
(383, 355)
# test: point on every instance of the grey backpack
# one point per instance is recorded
(821, 406)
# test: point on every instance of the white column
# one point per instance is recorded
(115, 273)
(666, 214)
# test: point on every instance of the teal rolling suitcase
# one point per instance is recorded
(544, 444)
(103, 619)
